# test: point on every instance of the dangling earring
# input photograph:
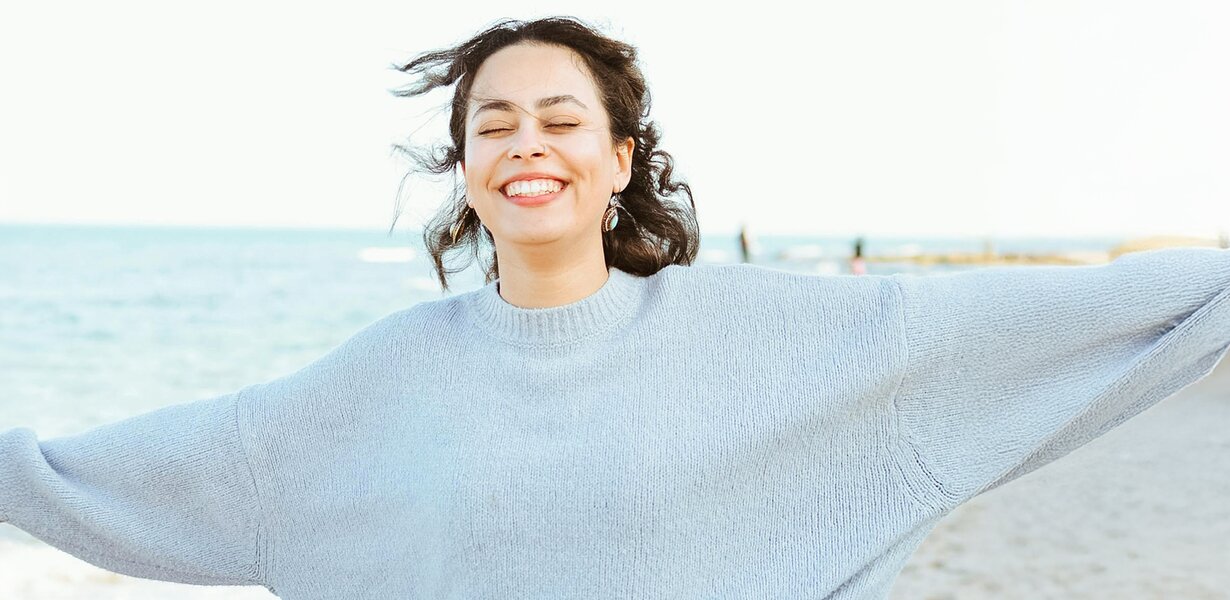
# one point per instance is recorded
(611, 218)
(456, 228)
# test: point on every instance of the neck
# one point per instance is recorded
(527, 284)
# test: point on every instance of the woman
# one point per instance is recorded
(603, 420)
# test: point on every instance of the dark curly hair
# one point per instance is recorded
(659, 232)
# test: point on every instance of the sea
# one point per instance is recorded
(100, 323)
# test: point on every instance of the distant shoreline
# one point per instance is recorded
(715, 234)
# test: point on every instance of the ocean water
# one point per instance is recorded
(101, 323)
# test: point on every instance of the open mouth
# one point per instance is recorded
(539, 198)
(532, 186)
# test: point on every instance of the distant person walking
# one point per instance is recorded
(744, 243)
(857, 265)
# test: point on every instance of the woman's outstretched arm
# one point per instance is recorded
(166, 495)
(1011, 368)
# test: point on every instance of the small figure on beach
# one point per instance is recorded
(744, 244)
(858, 266)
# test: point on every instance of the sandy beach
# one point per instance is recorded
(1140, 513)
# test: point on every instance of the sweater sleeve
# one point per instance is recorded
(166, 495)
(1010, 368)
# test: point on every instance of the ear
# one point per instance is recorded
(623, 164)
(463, 168)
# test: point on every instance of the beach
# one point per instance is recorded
(161, 316)
(1139, 513)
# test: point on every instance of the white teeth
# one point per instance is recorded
(533, 187)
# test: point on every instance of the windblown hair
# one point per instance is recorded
(659, 231)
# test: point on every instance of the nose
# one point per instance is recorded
(527, 143)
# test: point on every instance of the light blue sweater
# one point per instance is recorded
(706, 432)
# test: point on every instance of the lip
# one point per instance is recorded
(533, 200)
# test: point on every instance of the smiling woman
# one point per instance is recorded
(554, 103)
(541, 181)
(604, 420)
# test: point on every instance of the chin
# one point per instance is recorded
(539, 235)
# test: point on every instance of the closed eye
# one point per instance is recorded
(486, 131)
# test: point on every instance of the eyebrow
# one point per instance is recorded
(504, 105)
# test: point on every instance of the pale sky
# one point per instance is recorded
(976, 117)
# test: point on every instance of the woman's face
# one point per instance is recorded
(534, 112)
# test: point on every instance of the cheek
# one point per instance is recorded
(590, 162)
(478, 166)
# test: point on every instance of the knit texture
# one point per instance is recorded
(706, 432)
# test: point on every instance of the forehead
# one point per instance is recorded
(524, 73)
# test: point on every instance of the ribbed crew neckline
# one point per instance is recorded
(554, 325)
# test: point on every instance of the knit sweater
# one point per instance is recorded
(710, 431)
